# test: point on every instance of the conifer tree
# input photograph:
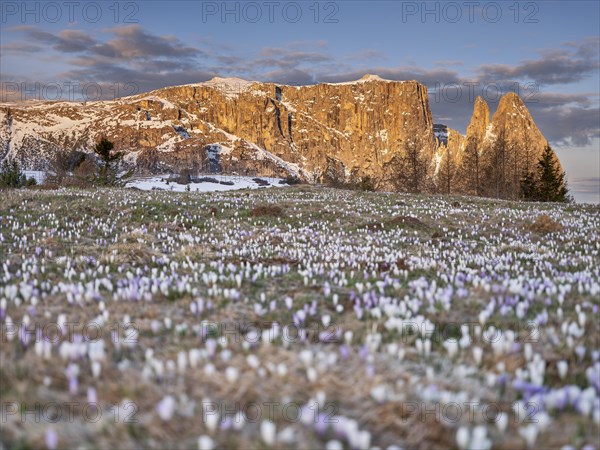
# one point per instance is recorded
(109, 160)
(551, 184)
(528, 187)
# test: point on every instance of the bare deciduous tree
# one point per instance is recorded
(409, 169)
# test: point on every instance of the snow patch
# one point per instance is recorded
(238, 182)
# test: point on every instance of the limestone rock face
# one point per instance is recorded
(480, 121)
(449, 141)
(494, 156)
(358, 125)
(513, 123)
(232, 125)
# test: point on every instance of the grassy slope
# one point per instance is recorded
(383, 248)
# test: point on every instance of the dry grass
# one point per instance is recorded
(267, 211)
(545, 224)
(129, 253)
(398, 222)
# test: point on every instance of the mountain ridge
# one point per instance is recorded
(352, 129)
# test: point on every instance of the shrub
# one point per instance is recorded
(63, 166)
(367, 184)
(185, 177)
(291, 180)
(260, 181)
(355, 183)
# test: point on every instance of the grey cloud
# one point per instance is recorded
(70, 41)
(132, 41)
(556, 98)
(294, 77)
(67, 41)
(451, 62)
(281, 57)
(366, 55)
(19, 48)
(307, 44)
(567, 125)
(572, 63)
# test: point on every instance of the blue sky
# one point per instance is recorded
(552, 46)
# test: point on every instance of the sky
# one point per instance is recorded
(546, 51)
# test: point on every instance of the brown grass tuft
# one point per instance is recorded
(545, 224)
(398, 221)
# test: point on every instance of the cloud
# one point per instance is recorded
(128, 42)
(366, 55)
(585, 189)
(590, 184)
(20, 48)
(558, 98)
(450, 62)
(317, 44)
(132, 54)
(129, 55)
(294, 77)
(567, 125)
(286, 58)
(133, 42)
(65, 41)
(572, 63)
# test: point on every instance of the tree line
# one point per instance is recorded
(504, 171)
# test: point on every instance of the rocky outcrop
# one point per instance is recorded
(359, 125)
(327, 130)
(450, 142)
(513, 123)
(495, 155)
(480, 121)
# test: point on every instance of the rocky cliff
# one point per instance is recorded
(493, 157)
(450, 143)
(232, 125)
(357, 126)
(513, 123)
(480, 121)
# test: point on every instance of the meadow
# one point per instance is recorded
(297, 317)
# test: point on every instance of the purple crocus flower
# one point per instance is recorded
(344, 351)
(71, 372)
(563, 400)
(92, 396)
(226, 424)
(370, 371)
(51, 439)
(363, 352)
(321, 424)
(501, 380)
(528, 389)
